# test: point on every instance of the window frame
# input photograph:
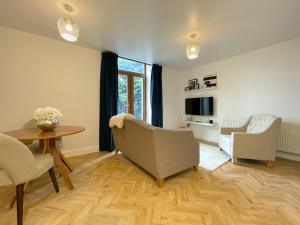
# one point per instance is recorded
(130, 96)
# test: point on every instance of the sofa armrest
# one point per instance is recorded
(175, 150)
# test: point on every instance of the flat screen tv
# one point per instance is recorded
(199, 106)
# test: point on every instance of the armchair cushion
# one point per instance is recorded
(225, 143)
(259, 123)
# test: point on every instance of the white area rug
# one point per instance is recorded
(211, 157)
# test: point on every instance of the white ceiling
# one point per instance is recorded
(155, 31)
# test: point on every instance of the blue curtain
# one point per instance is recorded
(108, 98)
(156, 96)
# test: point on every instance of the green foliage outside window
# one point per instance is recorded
(122, 94)
(131, 66)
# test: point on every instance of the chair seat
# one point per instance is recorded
(5, 179)
(225, 143)
(44, 162)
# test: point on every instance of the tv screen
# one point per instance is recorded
(199, 106)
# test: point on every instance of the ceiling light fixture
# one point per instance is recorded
(192, 51)
(68, 29)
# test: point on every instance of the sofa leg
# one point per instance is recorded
(234, 160)
(270, 164)
(160, 182)
(116, 151)
(196, 168)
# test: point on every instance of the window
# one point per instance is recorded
(132, 88)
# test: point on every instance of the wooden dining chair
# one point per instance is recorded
(18, 166)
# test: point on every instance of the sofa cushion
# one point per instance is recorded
(260, 123)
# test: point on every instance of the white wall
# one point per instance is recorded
(171, 97)
(36, 71)
(170, 82)
(262, 81)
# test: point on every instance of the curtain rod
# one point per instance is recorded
(135, 60)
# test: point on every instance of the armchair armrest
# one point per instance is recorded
(175, 150)
(229, 130)
(253, 146)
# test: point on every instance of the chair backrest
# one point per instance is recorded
(17, 160)
(260, 123)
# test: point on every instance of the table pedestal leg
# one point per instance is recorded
(59, 163)
(44, 147)
(65, 161)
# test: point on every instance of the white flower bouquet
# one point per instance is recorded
(47, 113)
(47, 118)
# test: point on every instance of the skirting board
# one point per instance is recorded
(81, 151)
(285, 155)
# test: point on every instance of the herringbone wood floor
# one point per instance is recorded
(116, 192)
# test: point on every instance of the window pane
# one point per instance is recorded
(132, 66)
(138, 97)
(122, 93)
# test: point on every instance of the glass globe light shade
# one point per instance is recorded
(68, 29)
(192, 51)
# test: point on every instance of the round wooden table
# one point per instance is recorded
(48, 143)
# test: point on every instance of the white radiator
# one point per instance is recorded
(289, 136)
(233, 122)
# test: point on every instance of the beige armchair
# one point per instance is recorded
(161, 152)
(18, 166)
(257, 139)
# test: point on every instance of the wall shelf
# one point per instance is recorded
(198, 123)
(201, 89)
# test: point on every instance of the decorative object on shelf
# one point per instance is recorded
(205, 82)
(68, 29)
(47, 118)
(193, 84)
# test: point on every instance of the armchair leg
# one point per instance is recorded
(13, 201)
(234, 160)
(270, 164)
(160, 182)
(20, 197)
(196, 168)
(53, 179)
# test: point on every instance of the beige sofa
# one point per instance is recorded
(161, 152)
(257, 139)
